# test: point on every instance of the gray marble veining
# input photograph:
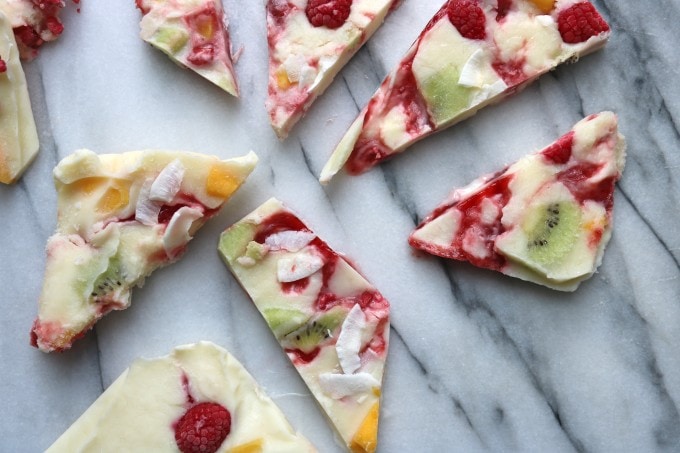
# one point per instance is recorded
(478, 361)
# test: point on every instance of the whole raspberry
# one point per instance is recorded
(328, 13)
(203, 428)
(3, 66)
(579, 22)
(468, 18)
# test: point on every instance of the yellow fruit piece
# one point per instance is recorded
(282, 79)
(114, 199)
(87, 185)
(250, 447)
(544, 5)
(220, 182)
(366, 438)
(5, 175)
(116, 195)
(206, 26)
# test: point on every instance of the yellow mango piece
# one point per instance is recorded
(115, 197)
(544, 5)
(282, 79)
(366, 438)
(88, 185)
(250, 447)
(205, 25)
(220, 182)
(5, 175)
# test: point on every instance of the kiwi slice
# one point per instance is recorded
(316, 331)
(111, 283)
(552, 230)
(444, 96)
(283, 321)
(234, 241)
(549, 234)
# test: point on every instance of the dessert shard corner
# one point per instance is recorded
(193, 34)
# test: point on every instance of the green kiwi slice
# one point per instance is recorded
(316, 331)
(444, 96)
(552, 230)
(111, 282)
(283, 321)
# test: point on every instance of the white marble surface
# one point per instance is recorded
(478, 361)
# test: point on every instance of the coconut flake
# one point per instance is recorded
(349, 340)
(293, 241)
(298, 267)
(472, 74)
(342, 385)
(168, 182)
(146, 211)
(177, 231)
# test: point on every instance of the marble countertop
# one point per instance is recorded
(478, 361)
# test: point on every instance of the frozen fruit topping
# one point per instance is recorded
(328, 13)
(468, 18)
(579, 22)
(203, 428)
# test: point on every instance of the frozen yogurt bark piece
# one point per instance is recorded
(18, 135)
(197, 399)
(35, 22)
(546, 219)
(193, 34)
(332, 323)
(120, 217)
(472, 53)
(309, 42)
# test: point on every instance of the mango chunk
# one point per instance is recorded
(366, 438)
(282, 79)
(250, 447)
(221, 183)
(113, 199)
(544, 5)
(115, 196)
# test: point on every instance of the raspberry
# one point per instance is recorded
(3, 66)
(328, 13)
(468, 18)
(579, 22)
(203, 428)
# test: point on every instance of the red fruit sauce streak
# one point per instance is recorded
(295, 287)
(575, 178)
(512, 72)
(186, 386)
(378, 343)
(370, 149)
(559, 152)
(503, 9)
(299, 357)
(471, 209)
(204, 50)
